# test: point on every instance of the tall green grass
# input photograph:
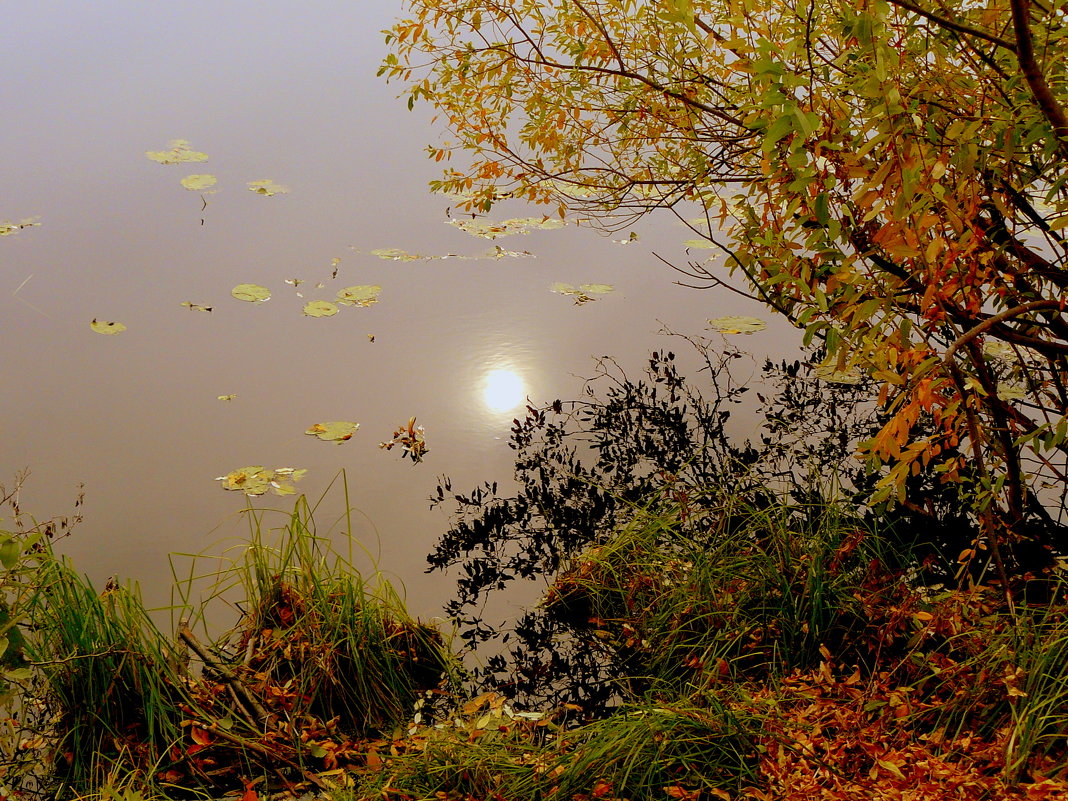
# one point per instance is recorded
(114, 683)
(759, 593)
(320, 659)
(343, 644)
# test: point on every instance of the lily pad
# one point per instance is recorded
(832, 375)
(699, 244)
(8, 228)
(229, 397)
(735, 324)
(491, 229)
(337, 431)
(584, 293)
(363, 295)
(255, 480)
(179, 153)
(396, 254)
(104, 327)
(320, 308)
(267, 187)
(195, 306)
(251, 293)
(198, 183)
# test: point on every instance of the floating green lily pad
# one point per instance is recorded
(699, 244)
(396, 254)
(255, 480)
(178, 154)
(735, 324)
(584, 293)
(267, 187)
(320, 308)
(491, 229)
(251, 293)
(8, 228)
(195, 306)
(337, 431)
(198, 183)
(104, 327)
(229, 397)
(363, 295)
(832, 375)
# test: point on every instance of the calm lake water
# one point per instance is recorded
(283, 91)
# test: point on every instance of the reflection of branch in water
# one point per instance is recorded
(23, 300)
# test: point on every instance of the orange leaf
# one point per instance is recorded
(200, 736)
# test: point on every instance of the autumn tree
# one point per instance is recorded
(890, 175)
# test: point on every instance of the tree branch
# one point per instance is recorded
(1036, 81)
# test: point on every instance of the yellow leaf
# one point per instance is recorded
(103, 327)
(198, 183)
(267, 187)
(178, 154)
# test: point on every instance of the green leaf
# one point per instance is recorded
(255, 480)
(320, 308)
(267, 187)
(251, 293)
(396, 254)
(104, 327)
(8, 228)
(597, 289)
(10, 551)
(337, 431)
(198, 183)
(363, 295)
(832, 375)
(179, 153)
(735, 324)
(490, 229)
(583, 293)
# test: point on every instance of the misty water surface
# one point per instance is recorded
(285, 91)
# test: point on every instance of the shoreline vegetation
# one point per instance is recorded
(707, 640)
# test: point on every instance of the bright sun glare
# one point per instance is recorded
(502, 390)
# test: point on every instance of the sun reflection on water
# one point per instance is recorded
(502, 390)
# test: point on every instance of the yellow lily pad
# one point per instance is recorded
(584, 293)
(251, 293)
(336, 431)
(699, 244)
(832, 375)
(198, 183)
(363, 295)
(179, 153)
(255, 480)
(104, 327)
(491, 229)
(320, 308)
(396, 254)
(8, 228)
(736, 324)
(267, 187)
